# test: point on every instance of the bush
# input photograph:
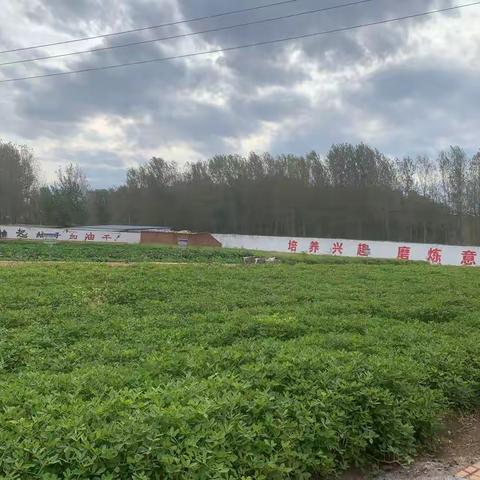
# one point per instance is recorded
(202, 371)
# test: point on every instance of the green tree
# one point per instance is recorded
(65, 202)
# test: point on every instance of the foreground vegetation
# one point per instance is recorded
(203, 371)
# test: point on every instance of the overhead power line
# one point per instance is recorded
(153, 27)
(183, 35)
(248, 45)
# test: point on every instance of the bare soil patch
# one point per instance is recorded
(459, 448)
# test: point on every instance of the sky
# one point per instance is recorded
(409, 87)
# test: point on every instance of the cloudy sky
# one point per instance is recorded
(406, 88)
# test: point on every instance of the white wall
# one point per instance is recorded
(67, 235)
(446, 254)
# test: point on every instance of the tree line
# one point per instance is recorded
(354, 191)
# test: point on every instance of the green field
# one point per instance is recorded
(214, 371)
(104, 253)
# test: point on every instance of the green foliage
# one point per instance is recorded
(98, 252)
(65, 202)
(214, 372)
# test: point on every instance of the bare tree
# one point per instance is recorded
(473, 185)
(65, 202)
(453, 165)
(406, 175)
(425, 173)
(353, 192)
(18, 183)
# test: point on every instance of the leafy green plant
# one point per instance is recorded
(107, 252)
(152, 371)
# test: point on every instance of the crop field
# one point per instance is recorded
(213, 371)
(105, 253)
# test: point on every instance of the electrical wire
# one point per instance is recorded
(152, 27)
(244, 46)
(184, 35)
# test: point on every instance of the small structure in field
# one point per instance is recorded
(183, 239)
(273, 260)
(251, 260)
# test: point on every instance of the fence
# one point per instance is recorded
(432, 253)
(435, 254)
(67, 235)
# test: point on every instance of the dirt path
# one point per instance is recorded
(460, 448)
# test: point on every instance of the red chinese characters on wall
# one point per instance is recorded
(337, 248)
(434, 256)
(292, 246)
(469, 258)
(363, 250)
(404, 253)
(90, 237)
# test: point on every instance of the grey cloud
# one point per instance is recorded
(78, 18)
(104, 168)
(105, 159)
(421, 103)
(101, 177)
(422, 108)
